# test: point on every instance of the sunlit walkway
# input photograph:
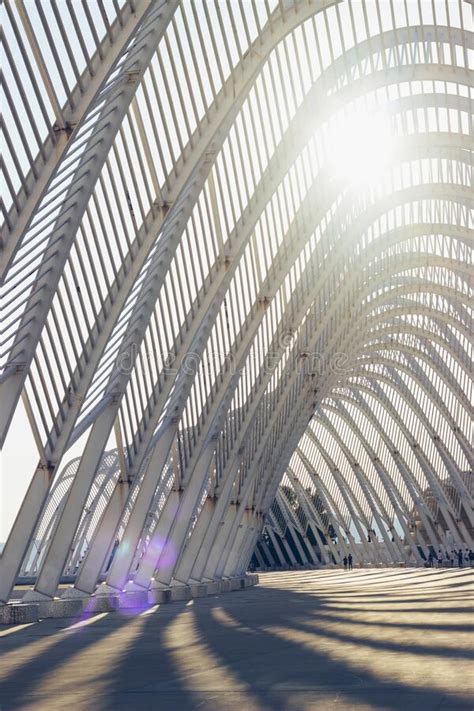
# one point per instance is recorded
(370, 639)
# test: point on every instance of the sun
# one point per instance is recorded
(359, 146)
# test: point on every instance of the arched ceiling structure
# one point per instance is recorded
(237, 248)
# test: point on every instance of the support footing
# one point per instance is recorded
(105, 599)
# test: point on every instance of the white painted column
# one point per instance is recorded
(246, 530)
(119, 570)
(210, 563)
(214, 528)
(99, 548)
(68, 520)
(281, 560)
(19, 538)
(159, 544)
(246, 553)
(194, 543)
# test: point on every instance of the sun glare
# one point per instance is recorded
(359, 146)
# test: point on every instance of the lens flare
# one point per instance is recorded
(359, 146)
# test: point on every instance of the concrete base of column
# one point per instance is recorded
(74, 602)
(36, 596)
(181, 592)
(18, 614)
(159, 595)
(73, 593)
(131, 586)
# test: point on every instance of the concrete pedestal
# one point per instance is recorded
(75, 602)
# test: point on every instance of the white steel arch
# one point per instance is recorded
(200, 302)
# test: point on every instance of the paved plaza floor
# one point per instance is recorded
(326, 640)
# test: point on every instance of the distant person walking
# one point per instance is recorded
(440, 559)
(344, 560)
(460, 557)
(349, 560)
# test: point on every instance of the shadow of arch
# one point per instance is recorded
(277, 669)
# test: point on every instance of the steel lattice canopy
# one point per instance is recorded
(236, 285)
